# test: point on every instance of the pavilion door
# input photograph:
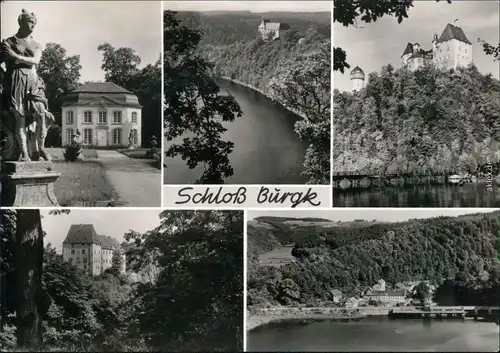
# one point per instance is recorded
(102, 137)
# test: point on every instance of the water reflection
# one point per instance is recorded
(468, 195)
(377, 334)
(266, 148)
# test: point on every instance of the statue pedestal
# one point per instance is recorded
(28, 184)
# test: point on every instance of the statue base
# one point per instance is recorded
(28, 184)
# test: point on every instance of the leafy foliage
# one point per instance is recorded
(411, 121)
(60, 72)
(121, 66)
(193, 104)
(290, 70)
(193, 304)
(490, 49)
(116, 262)
(353, 257)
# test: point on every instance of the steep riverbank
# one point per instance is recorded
(265, 316)
(266, 94)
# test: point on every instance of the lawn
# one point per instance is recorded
(82, 184)
(57, 153)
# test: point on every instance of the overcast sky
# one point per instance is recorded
(382, 42)
(80, 26)
(379, 214)
(254, 6)
(113, 222)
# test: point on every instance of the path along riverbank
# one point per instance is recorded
(260, 317)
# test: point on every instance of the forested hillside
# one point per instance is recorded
(463, 250)
(413, 121)
(192, 302)
(293, 70)
(228, 27)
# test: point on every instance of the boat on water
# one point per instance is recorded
(462, 179)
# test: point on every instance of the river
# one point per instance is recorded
(376, 334)
(468, 195)
(266, 148)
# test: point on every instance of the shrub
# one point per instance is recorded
(73, 151)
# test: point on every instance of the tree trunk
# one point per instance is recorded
(29, 260)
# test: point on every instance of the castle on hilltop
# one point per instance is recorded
(271, 30)
(449, 51)
(89, 251)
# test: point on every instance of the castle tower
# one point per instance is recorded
(357, 78)
(452, 49)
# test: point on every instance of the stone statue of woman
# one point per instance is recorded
(23, 91)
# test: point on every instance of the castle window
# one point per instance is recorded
(69, 136)
(117, 117)
(84, 267)
(441, 50)
(72, 251)
(103, 117)
(83, 251)
(84, 260)
(77, 260)
(134, 117)
(87, 117)
(117, 136)
(466, 50)
(69, 117)
(87, 136)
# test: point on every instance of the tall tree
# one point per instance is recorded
(28, 269)
(60, 72)
(350, 12)
(22, 272)
(200, 254)
(121, 66)
(193, 104)
(300, 84)
(116, 262)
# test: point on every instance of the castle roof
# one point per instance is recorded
(86, 234)
(108, 242)
(408, 49)
(101, 94)
(356, 70)
(82, 234)
(453, 32)
(336, 292)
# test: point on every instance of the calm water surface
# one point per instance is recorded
(377, 334)
(267, 150)
(468, 195)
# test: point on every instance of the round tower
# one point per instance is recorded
(357, 78)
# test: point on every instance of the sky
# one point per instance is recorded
(254, 6)
(379, 214)
(80, 26)
(114, 223)
(382, 42)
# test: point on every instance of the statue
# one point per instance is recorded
(130, 139)
(24, 104)
(23, 122)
